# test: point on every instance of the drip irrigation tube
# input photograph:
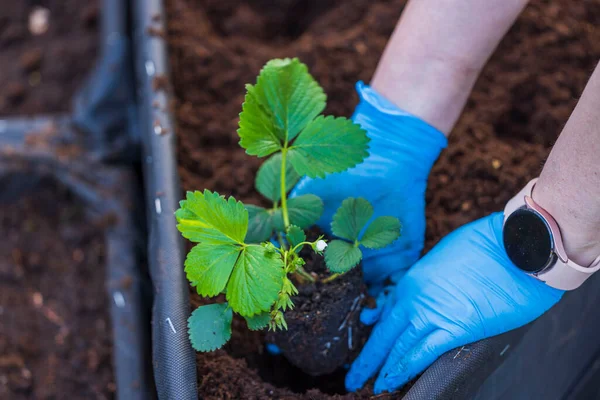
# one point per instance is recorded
(172, 354)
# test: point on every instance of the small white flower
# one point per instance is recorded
(321, 245)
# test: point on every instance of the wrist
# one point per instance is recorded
(578, 226)
(395, 132)
(433, 88)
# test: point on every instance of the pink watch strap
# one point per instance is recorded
(564, 274)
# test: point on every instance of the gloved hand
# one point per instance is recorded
(393, 178)
(464, 290)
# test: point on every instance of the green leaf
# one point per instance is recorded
(342, 256)
(304, 211)
(208, 217)
(289, 94)
(209, 266)
(351, 217)
(328, 145)
(257, 131)
(260, 224)
(268, 178)
(255, 282)
(259, 321)
(381, 232)
(295, 235)
(209, 327)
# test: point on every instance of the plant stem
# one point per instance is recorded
(284, 210)
(331, 277)
(302, 272)
(281, 242)
(295, 249)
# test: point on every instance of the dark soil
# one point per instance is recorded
(324, 330)
(55, 336)
(516, 111)
(41, 72)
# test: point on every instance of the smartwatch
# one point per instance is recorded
(533, 242)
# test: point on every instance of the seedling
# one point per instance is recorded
(235, 256)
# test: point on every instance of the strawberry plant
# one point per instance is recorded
(235, 255)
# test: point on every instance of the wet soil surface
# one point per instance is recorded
(516, 111)
(55, 336)
(47, 48)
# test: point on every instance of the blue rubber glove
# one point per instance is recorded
(393, 178)
(464, 290)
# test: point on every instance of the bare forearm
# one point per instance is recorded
(436, 53)
(569, 186)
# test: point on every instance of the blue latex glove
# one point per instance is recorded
(464, 290)
(393, 178)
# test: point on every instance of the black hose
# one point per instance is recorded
(173, 356)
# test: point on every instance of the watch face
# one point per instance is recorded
(528, 241)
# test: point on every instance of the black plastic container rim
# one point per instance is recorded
(456, 375)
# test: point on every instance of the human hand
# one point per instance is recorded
(464, 290)
(393, 178)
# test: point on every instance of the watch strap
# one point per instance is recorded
(564, 274)
(519, 200)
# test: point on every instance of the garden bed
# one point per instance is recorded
(55, 338)
(515, 113)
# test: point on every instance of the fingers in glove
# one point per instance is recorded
(383, 305)
(376, 349)
(399, 370)
(381, 264)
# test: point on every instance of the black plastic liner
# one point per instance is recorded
(172, 354)
(74, 151)
(456, 375)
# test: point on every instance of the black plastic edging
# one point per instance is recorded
(456, 375)
(173, 356)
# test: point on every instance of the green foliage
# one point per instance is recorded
(260, 224)
(283, 101)
(281, 112)
(209, 327)
(351, 217)
(256, 281)
(268, 178)
(304, 211)
(284, 300)
(258, 133)
(341, 256)
(349, 220)
(208, 267)
(289, 94)
(277, 321)
(381, 232)
(295, 235)
(233, 256)
(207, 217)
(258, 322)
(328, 145)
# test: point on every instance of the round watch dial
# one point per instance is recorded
(528, 241)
